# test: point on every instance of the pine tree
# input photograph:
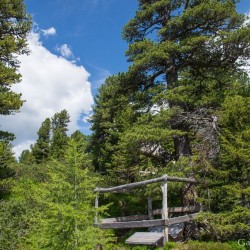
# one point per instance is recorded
(27, 157)
(187, 52)
(6, 171)
(41, 148)
(14, 25)
(67, 220)
(185, 78)
(113, 114)
(59, 125)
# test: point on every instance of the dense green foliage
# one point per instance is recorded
(41, 148)
(182, 109)
(7, 159)
(51, 203)
(14, 27)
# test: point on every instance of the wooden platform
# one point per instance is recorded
(145, 238)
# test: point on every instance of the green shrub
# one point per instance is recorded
(196, 245)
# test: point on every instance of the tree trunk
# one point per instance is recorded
(181, 142)
(182, 147)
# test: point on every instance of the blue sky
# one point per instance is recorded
(91, 28)
(75, 45)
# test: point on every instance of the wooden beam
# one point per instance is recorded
(187, 209)
(132, 224)
(180, 219)
(126, 218)
(139, 217)
(121, 188)
(147, 223)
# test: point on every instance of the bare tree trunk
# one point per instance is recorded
(182, 147)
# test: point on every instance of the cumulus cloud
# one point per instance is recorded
(49, 32)
(64, 50)
(49, 85)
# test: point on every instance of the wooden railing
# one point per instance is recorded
(139, 221)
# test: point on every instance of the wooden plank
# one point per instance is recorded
(121, 188)
(126, 218)
(145, 238)
(132, 224)
(178, 210)
(147, 223)
(146, 217)
(180, 219)
(154, 212)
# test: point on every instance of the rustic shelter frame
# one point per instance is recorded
(140, 221)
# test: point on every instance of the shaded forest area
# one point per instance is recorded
(181, 109)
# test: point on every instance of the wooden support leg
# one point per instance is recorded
(150, 209)
(164, 188)
(96, 207)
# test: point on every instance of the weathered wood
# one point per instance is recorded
(96, 208)
(164, 215)
(138, 217)
(180, 219)
(147, 223)
(150, 209)
(126, 218)
(187, 209)
(132, 224)
(145, 238)
(121, 188)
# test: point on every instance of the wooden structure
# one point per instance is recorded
(142, 221)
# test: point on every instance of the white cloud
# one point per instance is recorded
(64, 50)
(49, 32)
(18, 149)
(247, 14)
(49, 85)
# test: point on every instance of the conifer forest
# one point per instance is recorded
(181, 109)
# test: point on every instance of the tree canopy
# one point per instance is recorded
(176, 111)
(15, 25)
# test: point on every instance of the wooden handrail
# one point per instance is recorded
(164, 178)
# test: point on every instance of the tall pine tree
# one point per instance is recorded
(59, 125)
(187, 61)
(41, 148)
(14, 27)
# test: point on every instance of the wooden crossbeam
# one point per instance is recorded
(126, 218)
(146, 223)
(132, 224)
(154, 212)
(164, 178)
(186, 209)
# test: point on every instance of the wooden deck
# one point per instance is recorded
(145, 238)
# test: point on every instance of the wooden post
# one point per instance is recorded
(96, 207)
(164, 188)
(150, 209)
